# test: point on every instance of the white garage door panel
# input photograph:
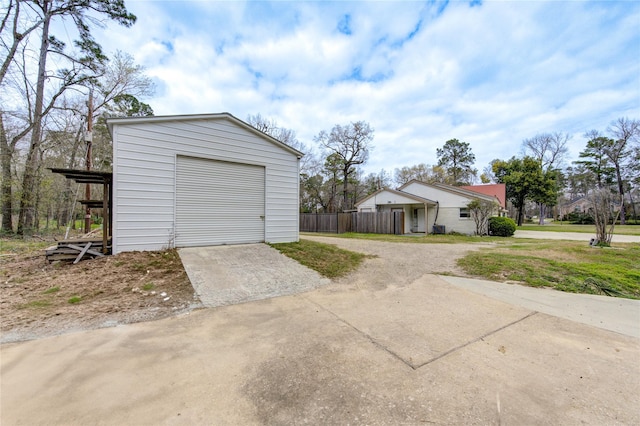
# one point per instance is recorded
(218, 202)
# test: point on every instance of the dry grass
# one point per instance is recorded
(328, 260)
(563, 265)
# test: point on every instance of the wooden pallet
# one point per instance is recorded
(77, 250)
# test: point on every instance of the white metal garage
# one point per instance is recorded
(200, 180)
(218, 202)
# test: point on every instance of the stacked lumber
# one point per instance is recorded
(77, 250)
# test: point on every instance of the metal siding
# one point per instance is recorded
(218, 202)
(145, 169)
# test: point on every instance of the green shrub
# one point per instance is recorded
(501, 226)
(579, 218)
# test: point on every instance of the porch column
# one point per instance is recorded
(426, 219)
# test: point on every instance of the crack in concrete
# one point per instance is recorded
(457, 348)
(400, 358)
(370, 338)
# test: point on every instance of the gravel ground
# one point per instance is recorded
(399, 263)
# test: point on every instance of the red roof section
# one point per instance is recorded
(498, 190)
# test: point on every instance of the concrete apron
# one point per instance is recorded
(428, 352)
(227, 275)
(611, 313)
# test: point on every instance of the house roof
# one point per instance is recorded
(498, 190)
(399, 193)
(452, 189)
(190, 117)
(577, 202)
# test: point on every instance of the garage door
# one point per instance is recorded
(218, 202)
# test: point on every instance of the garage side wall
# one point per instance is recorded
(144, 171)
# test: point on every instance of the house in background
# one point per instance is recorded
(415, 208)
(432, 207)
(498, 190)
(578, 205)
(199, 180)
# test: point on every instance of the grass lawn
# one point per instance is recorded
(328, 260)
(418, 239)
(11, 246)
(571, 266)
(563, 265)
(588, 229)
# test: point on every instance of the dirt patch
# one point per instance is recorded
(40, 299)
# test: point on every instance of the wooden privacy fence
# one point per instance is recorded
(366, 223)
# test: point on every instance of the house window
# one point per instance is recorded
(464, 213)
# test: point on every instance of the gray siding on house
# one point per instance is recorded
(144, 170)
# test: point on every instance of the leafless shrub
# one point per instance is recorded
(605, 209)
(481, 211)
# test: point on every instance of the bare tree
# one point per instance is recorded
(8, 146)
(14, 32)
(286, 136)
(624, 132)
(422, 172)
(350, 146)
(371, 183)
(122, 83)
(29, 19)
(550, 149)
(271, 128)
(481, 211)
(602, 209)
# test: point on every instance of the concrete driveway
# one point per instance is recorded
(414, 351)
(227, 275)
(575, 236)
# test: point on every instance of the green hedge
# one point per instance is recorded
(501, 226)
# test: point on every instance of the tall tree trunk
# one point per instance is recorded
(521, 211)
(543, 214)
(6, 193)
(68, 195)
(345, 188)
(621, 190)
(27, 201)
(520, 215)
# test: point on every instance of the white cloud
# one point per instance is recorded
(490, 75)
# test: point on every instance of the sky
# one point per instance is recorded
(489, 73)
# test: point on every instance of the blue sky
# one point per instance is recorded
(487, 73)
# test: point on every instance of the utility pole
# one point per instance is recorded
(88, 140)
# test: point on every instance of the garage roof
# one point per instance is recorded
(188, 117)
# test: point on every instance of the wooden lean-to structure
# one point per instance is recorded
(87, 248)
